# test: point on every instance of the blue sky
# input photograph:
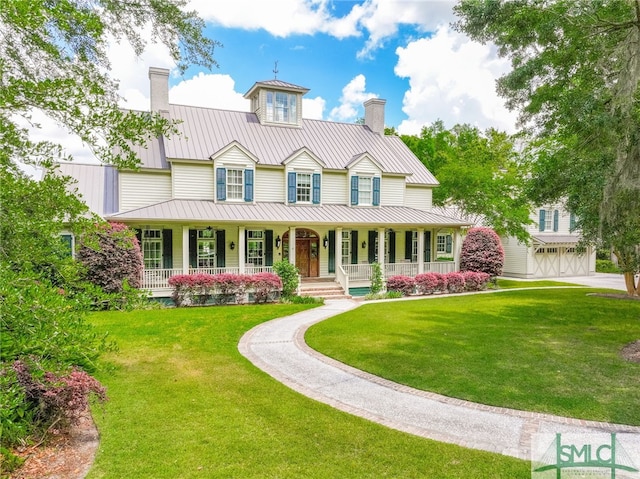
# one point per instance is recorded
(345, 52)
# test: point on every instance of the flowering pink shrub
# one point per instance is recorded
(402, 284)
(265, 286)
(482, 252)
(455, 282)
(198, 288)
(475, 281)
(426, 283)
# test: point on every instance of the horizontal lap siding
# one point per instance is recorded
(515, 258)
(392, 191)
(365, 166)
(234, 157)
(418, 198)
(143, 189)
(192, 181)
(334, 189)
(269, 185)
(304, 162)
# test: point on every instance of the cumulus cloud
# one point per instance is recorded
(354, 94)
(209, 91)
(453, 79)
(313, 108)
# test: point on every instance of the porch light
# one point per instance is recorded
(232, 245)
(278, 241)
(364, 244)
(325, 241)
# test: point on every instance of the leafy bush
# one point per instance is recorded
(56, 400)
(111, 255)
(403, 284)
(429, 283)
(482, 252)
(376, 278)
(455, 282)
(288, 275)
(475, 281)
(265, 286)
(606, 266)
(304, 300)
(385, 295)
(230, 287)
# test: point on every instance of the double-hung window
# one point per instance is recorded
(206, 248)
(235, 184)
(303, 187)
(441, 243)
(548, 220)
(364, 190)
(255, 247)
(414, 247)
(152, 248)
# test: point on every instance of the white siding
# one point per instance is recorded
(335, 189)
(392, 191)
(142, 189)
(515, 258)
(269, 185)
(365, 167)
(192, 181)
(234, 157)
(304, 162)
(418, 197)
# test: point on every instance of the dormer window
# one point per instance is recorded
(281, 107)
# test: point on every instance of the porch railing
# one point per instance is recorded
(158, 278)
(342, 278)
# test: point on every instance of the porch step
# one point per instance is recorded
(326, 289)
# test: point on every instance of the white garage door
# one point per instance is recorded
(559, 261)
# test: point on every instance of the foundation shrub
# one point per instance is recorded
(266, 287)
(475, 281)
(288, 274)
(426, 283)
(455, 282)
(402, 284)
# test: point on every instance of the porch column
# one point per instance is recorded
(337, 253)
(381, 250)
(185, 249)
(241, 248)
(292, 245)
(457, 248)
(420, 250)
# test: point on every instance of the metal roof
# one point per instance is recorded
(278, 213)
(94, 183)
(277, 84)
(556, 239)
(205, 131)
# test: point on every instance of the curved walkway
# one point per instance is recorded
(278, 348)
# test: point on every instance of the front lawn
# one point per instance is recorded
(184, 403)
(551, 350)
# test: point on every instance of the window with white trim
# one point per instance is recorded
(303, 187)
(442, 244)
(346, 247)
(206, 248)
(152, 248)
(414, 247)
(548, 220)
(235, 184)
(282, 107)
(365, 190)
(255, 247)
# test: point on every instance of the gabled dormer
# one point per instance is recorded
(276, 102)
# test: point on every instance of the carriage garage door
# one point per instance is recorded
(555, 256)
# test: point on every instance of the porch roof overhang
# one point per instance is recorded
(556, 240)
(191, 211)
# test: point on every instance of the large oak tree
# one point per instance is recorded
(575, 81)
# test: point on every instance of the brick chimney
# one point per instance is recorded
(159, 89)
(374, 115)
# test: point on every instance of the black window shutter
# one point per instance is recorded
(332, 251)
(268, 248)
(372, 246)
(246, 246)
(427, 246)
(167, 249)
(220, 248)
(392, 247)
(448, 244)
(354, 247)
(408, 244)
(193, 248)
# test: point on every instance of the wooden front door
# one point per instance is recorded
(302, 256)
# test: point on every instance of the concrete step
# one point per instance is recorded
(323, 289)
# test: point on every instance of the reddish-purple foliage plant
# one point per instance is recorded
(111, 255)
(426, 283)
(265, 286)
(402, 284)
(482, 252)
(475, 281)
(455, 282)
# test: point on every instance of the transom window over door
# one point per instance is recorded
(206, 248)
(235, 183)
(152, 248)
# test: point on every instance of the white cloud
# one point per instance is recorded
(209, 91)
(354, 94)
(313, 108)
(453, 79)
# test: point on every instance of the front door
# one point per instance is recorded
(303, 248)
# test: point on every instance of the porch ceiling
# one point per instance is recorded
(185, 211)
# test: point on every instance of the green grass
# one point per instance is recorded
(555, 351)
(543, 283)
(184, 403)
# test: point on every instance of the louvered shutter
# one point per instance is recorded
(167, 249)
(332, 252)
(354, 247)
(268, 248)
(427, 246)
(376, 191)
(392, 247)
(556, 217)
(408, 245)
(354, 190)
(541, 220)
(248, 185)
(221, 184)
(291, 187)
(316, 188)
(220, 249)
(193, 248)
